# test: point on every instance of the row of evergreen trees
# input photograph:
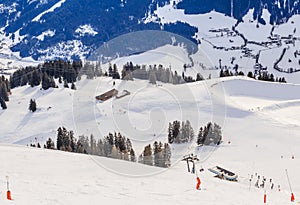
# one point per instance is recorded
(46, 73)
(270, 77)
(155, 73)
(114, 145)
(264, 76)
(180, 132)
(227, 73)
(209, 134)
(4, 92)
(159, 155)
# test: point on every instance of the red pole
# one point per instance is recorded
(8, 195)
(292, 198)
(198, 183)
(265, 198)
(292, 195)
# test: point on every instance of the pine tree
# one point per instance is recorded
(52, 82)
(35, 78)
(167, 155)
(7, 83)
(3, 104)
(132, 155)
(49, 144)
(128, 145)
(152, 77)
(125, 156)
(250, 74)
(59, 139)
(72, 141)
(81, 144)
(176, 131)
(201, 138)
(92, 144)
(66, 84)
(199, 77)
(3, 91)
(110, 70)
(98, 70)
(100, 148)
(182, 136)
(73, 87)
(84, 144)
(32, 105)
(147, 155)
(170, 134)
(66, 141)
(115, 153)
(116, 74)
(217, 134)
(189, 131)
(158, 155)
(45, 81)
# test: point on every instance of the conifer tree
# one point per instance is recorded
(3, 104)
(32, 105)
(49, 144)
(132, 155)
(147, 155)
(59, 139)
(170, 134)
(73, 87)
(115, 153)
(167, 155)
(152, 77)
(158, 155)
(201, 138)
(3, 91)
(66, 84)
(100, 148)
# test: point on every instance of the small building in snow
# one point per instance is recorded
(107, 95)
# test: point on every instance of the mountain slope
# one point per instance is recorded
(72, 28)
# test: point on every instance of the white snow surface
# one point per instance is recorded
(49, 32)
(259, 119)
(86, 29)
(55, 6)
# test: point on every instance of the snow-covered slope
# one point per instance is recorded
(256, 117)
(52, 177)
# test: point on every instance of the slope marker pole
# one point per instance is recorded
(292, 194)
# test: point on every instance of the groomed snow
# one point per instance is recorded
(260, 142)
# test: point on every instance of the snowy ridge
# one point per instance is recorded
(57, 5)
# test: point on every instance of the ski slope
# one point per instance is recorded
(259, 119)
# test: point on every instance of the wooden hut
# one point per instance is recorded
(107, 95)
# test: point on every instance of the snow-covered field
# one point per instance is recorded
(259, 120)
